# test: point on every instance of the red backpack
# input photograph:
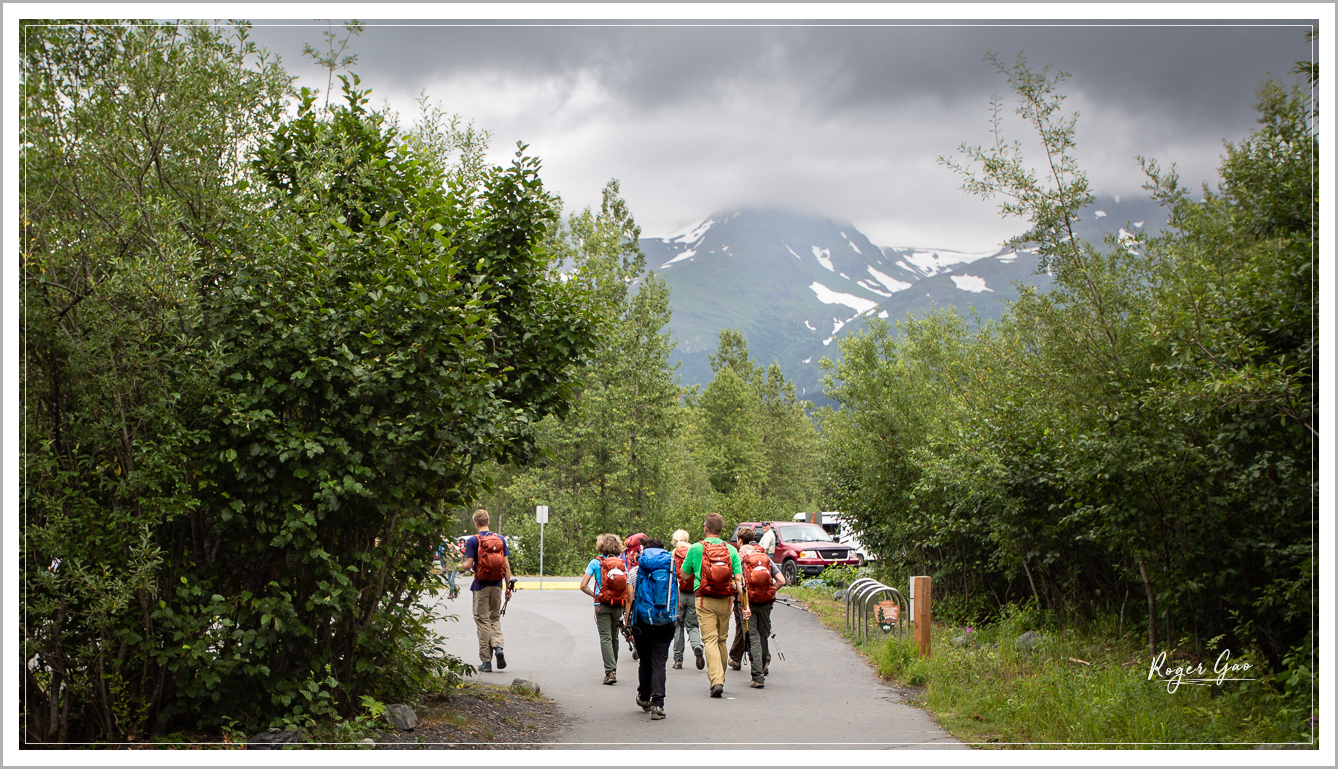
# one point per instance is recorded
(491, 563)
(757, 576)
(717, 571)
(612, 581)
(685, 584)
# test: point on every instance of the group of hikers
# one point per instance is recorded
(653, 597)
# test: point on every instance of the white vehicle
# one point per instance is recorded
(840, 530)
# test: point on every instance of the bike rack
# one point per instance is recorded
(861, 596)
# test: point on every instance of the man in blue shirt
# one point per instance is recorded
(488, 595)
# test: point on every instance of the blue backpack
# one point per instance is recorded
(656, 601)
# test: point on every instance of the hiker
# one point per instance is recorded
(632, 547)
(685, 623)
(715, 568)
(448, 555)
(767, 541)
(761, 579)
(739, 639)
(650, 613)
(610, 591)
(487, 556)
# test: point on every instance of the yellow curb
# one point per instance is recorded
(548, 585)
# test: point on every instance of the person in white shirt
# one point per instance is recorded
(768, 539)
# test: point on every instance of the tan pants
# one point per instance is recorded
(488, 620)
(713, 615)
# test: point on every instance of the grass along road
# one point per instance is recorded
(1075, 689)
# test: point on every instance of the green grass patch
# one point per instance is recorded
(1076, 688)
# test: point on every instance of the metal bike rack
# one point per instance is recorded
(862, 595)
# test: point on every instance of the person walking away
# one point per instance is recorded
(605, 580)
(487, 556)
(651, 611)
(449, 557)
(761, 580)
(685, 622)
(715, 568)
(739, 640)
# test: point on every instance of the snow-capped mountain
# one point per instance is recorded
(795, 285)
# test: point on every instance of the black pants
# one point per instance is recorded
(652, 648)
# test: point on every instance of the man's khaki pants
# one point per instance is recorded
(488, 620)
(713, 615)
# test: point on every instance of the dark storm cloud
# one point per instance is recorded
(841, 118)
(1196, 72)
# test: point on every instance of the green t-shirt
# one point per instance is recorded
(692, 562)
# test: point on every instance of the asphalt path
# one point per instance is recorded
(821, 696)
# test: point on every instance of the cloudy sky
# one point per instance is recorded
(843, 118)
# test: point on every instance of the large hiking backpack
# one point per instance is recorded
(757, 576)
(656, 601)
(612, 581)
(717, 571)
(685, 584)
(491, 562)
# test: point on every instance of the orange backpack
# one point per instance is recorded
(684, 583)
(612, 581)
(491, 564)
(757, 576)
(717, 571)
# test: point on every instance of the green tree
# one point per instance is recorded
(258, 349)
(133, 149)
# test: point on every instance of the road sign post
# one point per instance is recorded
(541, 516)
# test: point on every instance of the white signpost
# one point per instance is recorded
(541, 517)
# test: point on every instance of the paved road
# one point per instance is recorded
(821, 696)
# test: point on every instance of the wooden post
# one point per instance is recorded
(921, 594)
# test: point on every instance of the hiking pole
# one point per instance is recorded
(511, 587)
(747, 642)
(780, 655)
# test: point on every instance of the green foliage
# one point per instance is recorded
(256, 350)
(1137, 442)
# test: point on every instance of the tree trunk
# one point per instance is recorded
(1152, 608)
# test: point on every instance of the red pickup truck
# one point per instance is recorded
(801, 547)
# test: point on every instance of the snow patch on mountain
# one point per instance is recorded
(871, 288)
(828, 296)
(1100, 214)
(883, 314)
(930, 263)
(792, 253)
(851, 243)
(891, 283)
(691, 252)
(971, 283)
(1008, 258)
(692, 234)
(824, 257)
(811, 327)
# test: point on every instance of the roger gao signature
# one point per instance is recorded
(1184, 674)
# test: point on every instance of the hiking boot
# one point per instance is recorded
(678, 664)
(501, 661)
(735, 665)
(757, 685)
(657, 713)
(610, 678)
(485, 667)
(701, 658)
(643, 704)
(717, 690)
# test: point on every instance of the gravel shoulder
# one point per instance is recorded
(480, 716)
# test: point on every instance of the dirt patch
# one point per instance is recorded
(481, 717)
